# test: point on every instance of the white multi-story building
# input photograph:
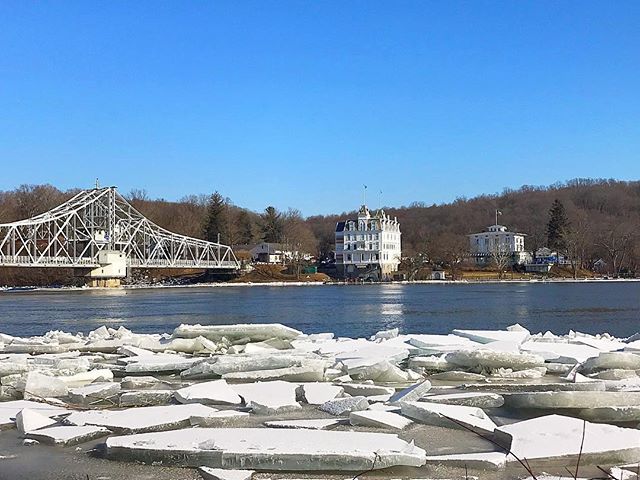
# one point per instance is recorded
(497, 240)
(368, 247)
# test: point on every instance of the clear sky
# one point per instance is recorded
(299, 103)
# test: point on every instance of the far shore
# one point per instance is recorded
(10, 289)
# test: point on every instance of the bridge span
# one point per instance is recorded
(99, 230)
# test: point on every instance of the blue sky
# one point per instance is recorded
(297, 104)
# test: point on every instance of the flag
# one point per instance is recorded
(498, 212)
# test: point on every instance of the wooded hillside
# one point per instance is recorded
(603, 220)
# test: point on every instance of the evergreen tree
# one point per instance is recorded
(245, 227)
(557, 227)
(217, 219)
(272, 225)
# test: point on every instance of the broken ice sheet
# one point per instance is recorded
(270, 449)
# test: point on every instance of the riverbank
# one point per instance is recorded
(315, 284)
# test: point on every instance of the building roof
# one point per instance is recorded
(497, 229)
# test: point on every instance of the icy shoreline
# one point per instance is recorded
(266, 397)
(9, 289)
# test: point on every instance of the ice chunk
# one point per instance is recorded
(160, 362)
(136, 383)
(9, 411)
(602, 344)
(372, 353)
(611, 360)
(386, 334)
(250, 332)
(614, 374)
(86, 378)
(413, 393)
(342, 406)
(457, 376)
(270, 449)
(43, 386)
(366, 389)
(484, 460)
(313, 424)
(309, 372)
(484, 358)
(530, 373)
(468, 399)
(145, 398)
(143, 419)
(95, 393)
(67, 436)
(221, 365)
(626, 472)
(208, 473)
(319, 393)
(450, 416)
(487, 336)
(592, 386)
(28, 420)
(266, 398)
(554, 400)
(380, 419)
(375, 369)
(430, 363)
(439, 344)
(218, 419)
(559, 437)
(214, 392)
(611, 414)
(131, 351)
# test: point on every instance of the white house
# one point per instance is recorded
(368, 247)
(268, 252)
(497, 240)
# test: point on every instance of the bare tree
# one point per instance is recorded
(297, 239)
(576, 237)
(618, 243)
(449, 250)
(501, 256)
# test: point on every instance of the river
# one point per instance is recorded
(353, 311)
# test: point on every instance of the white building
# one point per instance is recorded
(368, 247)
(497, 240)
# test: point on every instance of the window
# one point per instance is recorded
(349, 257)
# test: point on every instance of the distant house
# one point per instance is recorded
(600, 266)
(368, 247)
(269, 252)
(438, 275)
(497, 240)
(544, 259)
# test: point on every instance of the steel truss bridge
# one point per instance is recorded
(96, 222)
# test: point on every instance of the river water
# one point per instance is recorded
(353, 311)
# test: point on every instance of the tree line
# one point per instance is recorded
(590, 221)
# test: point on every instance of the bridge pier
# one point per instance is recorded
(112, 269)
